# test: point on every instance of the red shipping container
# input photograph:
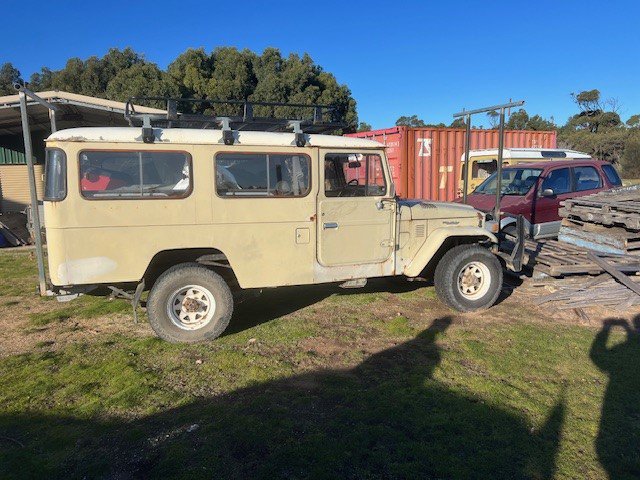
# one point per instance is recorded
(425, 162)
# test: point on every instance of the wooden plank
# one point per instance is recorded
(611, 270)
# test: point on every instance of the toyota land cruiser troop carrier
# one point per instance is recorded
(194, 214)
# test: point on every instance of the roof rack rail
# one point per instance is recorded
(309, 118)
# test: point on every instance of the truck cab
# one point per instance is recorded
(196, 215)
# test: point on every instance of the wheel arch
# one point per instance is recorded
(212, 258)
(441, 241)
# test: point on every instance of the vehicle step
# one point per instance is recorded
(355, 283)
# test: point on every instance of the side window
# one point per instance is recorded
(55, 174)
(558, 180)
(612, 175)
(134, 174)
(587, 178)
(354, 175)
(483, 168)
(262, 175)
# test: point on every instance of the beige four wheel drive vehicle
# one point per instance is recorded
(194, 215)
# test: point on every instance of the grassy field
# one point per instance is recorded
(316, 382)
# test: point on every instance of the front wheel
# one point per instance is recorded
(468, 278)
(189, 303)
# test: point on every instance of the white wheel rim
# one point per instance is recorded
(191, 307)
(474, 280)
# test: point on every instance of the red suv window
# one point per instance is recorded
(558, 180)
(586, 178)
(612, 175)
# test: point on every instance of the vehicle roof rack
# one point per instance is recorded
(308, 118)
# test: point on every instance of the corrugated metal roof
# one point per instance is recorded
(198, 136)
(75, 110)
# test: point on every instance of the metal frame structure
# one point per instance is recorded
(28, 151)
(466, 114)
(515, 259)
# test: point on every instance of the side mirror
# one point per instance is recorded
(392, 190)
(547, 192)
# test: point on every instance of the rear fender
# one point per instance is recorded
(437, 239)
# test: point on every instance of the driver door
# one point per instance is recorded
(354, 225)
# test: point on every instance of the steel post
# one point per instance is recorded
(52, 119)
(465, 167)
(35, 210)
(499, 167)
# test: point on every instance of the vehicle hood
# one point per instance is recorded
(424, 209)
(486, 203)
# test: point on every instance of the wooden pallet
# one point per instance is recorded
(557, 259)
(620, 206)
(614, 240)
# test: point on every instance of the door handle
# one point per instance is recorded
(329, 225)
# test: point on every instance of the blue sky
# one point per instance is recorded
(399, 58)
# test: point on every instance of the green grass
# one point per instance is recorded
(83, 307)
(18, 273)
(320, 383)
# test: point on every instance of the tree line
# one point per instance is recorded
(596, 129)
(229, 73)
(226, 73)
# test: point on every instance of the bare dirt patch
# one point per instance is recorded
(19, 335)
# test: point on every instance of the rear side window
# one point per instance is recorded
(135, 174)
(558, 180)
(612, 175)
(55, 187)
(262, 175)
(586, 178)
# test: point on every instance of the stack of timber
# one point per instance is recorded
(607, 222)
(578, 292)
(557, 259)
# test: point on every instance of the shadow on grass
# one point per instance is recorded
(618, 442)
(385, 418)
(278, 302)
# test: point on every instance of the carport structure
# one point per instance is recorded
(27, 118)
(72, 110)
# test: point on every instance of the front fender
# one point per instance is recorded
(435, 241)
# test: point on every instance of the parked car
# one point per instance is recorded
(484, 162)
(198, 215)
(535, 191)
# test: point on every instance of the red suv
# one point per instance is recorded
(535, 191)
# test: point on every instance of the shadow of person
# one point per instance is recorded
(618, 441)
(388, 417)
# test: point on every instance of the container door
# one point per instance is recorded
(355, 224)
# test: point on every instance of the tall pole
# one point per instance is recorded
(52, 119)
(499, 167)
(465, 167)
(35, 212)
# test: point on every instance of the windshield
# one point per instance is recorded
(515, 181)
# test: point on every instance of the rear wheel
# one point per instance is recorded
(468, 278)
(189, 303)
